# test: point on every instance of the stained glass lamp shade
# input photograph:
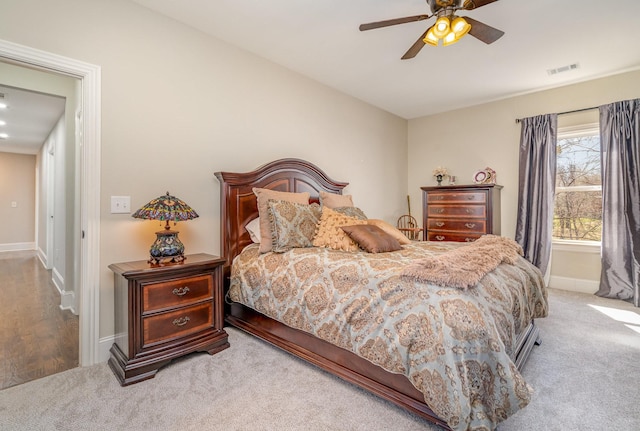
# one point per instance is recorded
(167, 247)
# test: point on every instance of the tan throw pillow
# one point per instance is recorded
(334, 200)
(330, 235)
(372, 239)
(390, 229)
(263, 196)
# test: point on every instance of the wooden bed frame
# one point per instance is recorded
(238, 206)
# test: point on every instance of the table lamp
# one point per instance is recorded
(167, 248)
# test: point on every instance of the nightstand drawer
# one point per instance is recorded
(456, 225)
(167, 326)
(176, 293)
(479, 211)
(458, 197)
(448, 236)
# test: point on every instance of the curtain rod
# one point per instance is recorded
(567, 112)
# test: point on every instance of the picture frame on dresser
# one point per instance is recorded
(460, 213)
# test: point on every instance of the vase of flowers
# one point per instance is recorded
(440, 173)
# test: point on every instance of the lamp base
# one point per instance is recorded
(167, 248)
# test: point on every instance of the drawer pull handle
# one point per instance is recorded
(469, 211)
(469, 239)
(440, 210)
(470, 225)
(440, 237)
(440, 223)
(181, 321)
(470, 197)
(438, 198)
(181, 291)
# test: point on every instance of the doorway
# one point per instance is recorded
(85, 220)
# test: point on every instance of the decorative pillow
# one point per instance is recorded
(292, 225)
(253, 227)
(263, 196)
(330, 235)
(351, 212)
(390, 229)
(372, 239)
(334, 200)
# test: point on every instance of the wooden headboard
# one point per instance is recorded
(238, 203)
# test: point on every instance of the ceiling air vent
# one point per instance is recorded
(562, 69)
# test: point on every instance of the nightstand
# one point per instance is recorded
(163, 312)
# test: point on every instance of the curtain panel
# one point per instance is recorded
(620, 146)
(536, 188)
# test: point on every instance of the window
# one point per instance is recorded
(578, 198)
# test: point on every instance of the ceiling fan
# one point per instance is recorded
(448, 28)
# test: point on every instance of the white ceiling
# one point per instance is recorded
(29, 119)
(320, 39)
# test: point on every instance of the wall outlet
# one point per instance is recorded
(14, 204)
(120, 204)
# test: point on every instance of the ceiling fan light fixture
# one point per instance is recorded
(431, 38)
(441, 27)
(450, 39)
(460, 26)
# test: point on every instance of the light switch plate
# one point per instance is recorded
(120, 204)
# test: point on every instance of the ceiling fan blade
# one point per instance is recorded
(483, 32)
(395, 21)
(475, 4)
(416, 47)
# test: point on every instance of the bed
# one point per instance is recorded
(239, 207)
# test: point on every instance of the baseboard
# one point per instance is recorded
(18, 246)
(43, 258)
(574, 284)
(104, 345)
(67, 298)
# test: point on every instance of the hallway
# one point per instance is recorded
(37, 338)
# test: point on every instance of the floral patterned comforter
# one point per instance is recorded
(454, 345)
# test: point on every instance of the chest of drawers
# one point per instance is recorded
(164, 312)
(460, 213)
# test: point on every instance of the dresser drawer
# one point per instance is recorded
(177, 292)
(470, 225)
(458, 197)
(467, 211)
(450, 236)
(175, 324)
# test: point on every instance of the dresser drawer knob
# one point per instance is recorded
(440, 237)
(440, 223)
(440, 210)
(469, 211)
(470, 225)
(438, 198)
(469, 239)
(181, 321)
(470, 197)
(180, 291)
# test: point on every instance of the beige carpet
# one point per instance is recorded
(585, 373)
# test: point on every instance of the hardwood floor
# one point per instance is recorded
(37, 338)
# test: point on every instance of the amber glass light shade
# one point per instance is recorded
(167, 247)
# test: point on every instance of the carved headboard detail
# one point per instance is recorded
(238, 203)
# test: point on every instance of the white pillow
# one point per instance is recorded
(253, 227)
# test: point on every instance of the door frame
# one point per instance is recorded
(86, 253)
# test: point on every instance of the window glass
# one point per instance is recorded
(578, 199)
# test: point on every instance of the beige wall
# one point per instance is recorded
(178, 105)
(17, 184)
(469, 139)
